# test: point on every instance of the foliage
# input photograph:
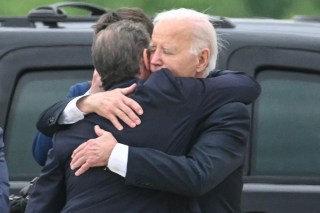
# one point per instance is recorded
(228, 8)
(269, 8)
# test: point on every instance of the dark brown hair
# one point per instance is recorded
(124, 13)
(117, 51)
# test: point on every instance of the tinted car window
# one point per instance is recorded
(287, 124)
(33, 93)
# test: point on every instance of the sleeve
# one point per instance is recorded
(71, 113)
(78, 89)
(205, 95)
(218, 151)
(48, 120)
(228, 86)
(40, 148)
(119, 159)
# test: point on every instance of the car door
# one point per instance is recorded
(36, 70)
(282, 172)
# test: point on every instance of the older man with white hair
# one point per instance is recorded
(185, 42)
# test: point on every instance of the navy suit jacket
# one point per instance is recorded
(212, 169)
(177, 104)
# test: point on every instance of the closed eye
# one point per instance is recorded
(151, 49)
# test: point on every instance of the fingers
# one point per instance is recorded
(128, 116)
(85, 159)
(117, 106)
(99, 131)
(85, 167)
(93, 153)
(127, 111)
(128, 90)
(115, 122)
(78, 151)
(77, 162)
(130, 103)
(77, 157)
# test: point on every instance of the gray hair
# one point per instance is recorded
(117, 51)
(204, 33)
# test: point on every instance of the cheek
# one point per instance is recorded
(177, 68)
(172, 62)
(186, 67)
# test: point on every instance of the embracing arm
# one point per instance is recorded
(218, 152)
(113, 105)
(48, 120)
(231, 86)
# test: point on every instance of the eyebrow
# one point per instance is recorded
(163, 47)
(170, 48)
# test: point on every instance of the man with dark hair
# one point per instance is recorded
(57, 189)
(124, 13)
(42, 142)
(115, 68)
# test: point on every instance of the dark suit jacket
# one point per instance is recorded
(211, 171)
(169, 105)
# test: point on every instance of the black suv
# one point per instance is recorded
(43, 54)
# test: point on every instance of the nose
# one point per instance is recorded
(155, 60)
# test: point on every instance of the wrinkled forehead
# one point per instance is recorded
(174, 26)
(172, 32)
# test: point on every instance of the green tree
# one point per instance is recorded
(267, 8)
(228, 8)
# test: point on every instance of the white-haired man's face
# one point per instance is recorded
(170, 47)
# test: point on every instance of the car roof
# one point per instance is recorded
(298, 32)
(297, 26)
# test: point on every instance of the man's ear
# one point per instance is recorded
(146, 59)
(203, 60)
(145, 65)
(96, 83)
